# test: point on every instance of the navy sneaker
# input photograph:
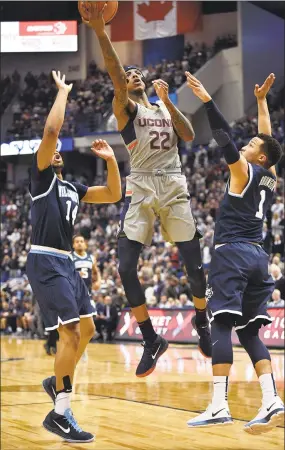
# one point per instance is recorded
(66, 427)
(50, 387)
(204, 334)
(150, 356)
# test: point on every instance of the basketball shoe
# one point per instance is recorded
(50, 387)
(66, 427)
(150, 356)
(204, 334)
(268, 417)
(212, 417)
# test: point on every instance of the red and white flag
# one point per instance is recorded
(140, 20)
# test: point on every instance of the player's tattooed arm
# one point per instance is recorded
(111, 193)
(181, 124)
(53, 123)
(112, 61)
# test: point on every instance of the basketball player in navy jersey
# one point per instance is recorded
(155, 188)
(86, 265)
(60, 291)
(239, 284)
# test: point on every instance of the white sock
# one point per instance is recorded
(268, 388)
(62, 402)
(220, 395)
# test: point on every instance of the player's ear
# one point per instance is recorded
(262, 158)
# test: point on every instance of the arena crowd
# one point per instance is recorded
(90, 101)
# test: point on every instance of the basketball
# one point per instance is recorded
(109, 13)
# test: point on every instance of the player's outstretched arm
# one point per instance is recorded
(181, 124)
(264, 123)
(111, 193)
(54, 122)
(112, 61)
(221, 133)
(260, 92)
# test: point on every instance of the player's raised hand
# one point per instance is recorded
(197, 88)
(96, 18)
(260, 92)
(102, 149)
(60, 81)
(161, 88)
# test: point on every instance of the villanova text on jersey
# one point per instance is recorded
(240, 217)
(54, 208)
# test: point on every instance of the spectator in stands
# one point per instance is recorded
(107, 319)
(184, 288)
(278, 278)
(276, 300)
(184, 301)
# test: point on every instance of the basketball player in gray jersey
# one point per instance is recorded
(155, 188)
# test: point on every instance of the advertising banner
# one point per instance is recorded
(47, 36)
(28, 147)
(175, 325)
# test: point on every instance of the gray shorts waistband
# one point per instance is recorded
(156, 172)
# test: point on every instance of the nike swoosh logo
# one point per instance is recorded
(268, 409)
(53, 391)
(65, 430)
(214, 343)
(153, 356)
(200, 267)
(214, 414)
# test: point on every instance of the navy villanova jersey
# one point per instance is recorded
(54, 207)
(241, 216)
(84, 264)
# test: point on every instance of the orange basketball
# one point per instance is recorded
(109, 13)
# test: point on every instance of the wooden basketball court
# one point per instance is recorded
(126, 412)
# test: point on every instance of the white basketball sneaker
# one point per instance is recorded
(268, 417)
(212, 417)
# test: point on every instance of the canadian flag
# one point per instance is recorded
(137, 20)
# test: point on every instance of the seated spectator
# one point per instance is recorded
(108, 319)
(184, 301)
(276, 300)
(184, 288)
(278, 278)
(163, 302)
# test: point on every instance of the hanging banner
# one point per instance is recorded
(155, 19)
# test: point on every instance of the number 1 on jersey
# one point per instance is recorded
(259, 213)
(74, 212)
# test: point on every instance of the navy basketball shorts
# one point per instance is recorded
(239, 284)
(59, 290)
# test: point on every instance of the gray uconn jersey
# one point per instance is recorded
(151, 140)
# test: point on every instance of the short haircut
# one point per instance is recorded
(271, 148)
(77, 236)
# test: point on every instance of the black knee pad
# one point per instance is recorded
(191, 254)
(252, 344)
(222, 348)
(129, 252)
